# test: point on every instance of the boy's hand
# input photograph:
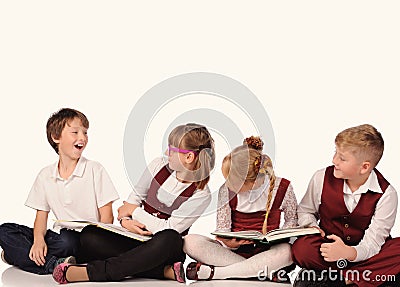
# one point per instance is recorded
(126, 210)
(337, 250)
(234, 242)
(320, 230)
(38, 252)
(135, 226)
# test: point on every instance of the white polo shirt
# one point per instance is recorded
(76, 198)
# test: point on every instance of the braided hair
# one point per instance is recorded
(248, 163)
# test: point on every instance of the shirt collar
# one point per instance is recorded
(374, 184)
(371, 184)
(78, 171)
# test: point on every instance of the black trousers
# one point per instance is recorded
(113, 257)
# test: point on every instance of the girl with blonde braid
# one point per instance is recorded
(252, 198)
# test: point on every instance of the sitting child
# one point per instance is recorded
(252, 198)
(74, 188)
(356, 208)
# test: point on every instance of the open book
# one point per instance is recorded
(79, 224)
(271, 236)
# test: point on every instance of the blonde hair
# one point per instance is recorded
(364, 141)
(247, 163)
(196, 138)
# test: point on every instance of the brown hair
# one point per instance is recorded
(58, 120)
(247, 163)
(364, 141)
(197, 138)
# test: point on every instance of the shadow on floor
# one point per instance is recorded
(15, 277)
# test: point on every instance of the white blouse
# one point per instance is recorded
(253, 201)
(181, 218)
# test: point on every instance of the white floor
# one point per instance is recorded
(12, 276)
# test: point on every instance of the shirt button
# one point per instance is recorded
(346, 226)
(348, 237)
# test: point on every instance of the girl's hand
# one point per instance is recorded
(135, 226)
(234, 242)
(38, 252)
(126, 210)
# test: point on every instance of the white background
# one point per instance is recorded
(317, 68)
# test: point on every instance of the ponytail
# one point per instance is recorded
(197, 138)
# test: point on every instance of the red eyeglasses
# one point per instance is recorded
(172, 148)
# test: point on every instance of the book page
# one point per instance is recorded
(122, 231)
(290, 232)
(80, 224)
(245, 234)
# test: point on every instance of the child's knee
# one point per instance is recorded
(6, 229)
(170, 236)
(192, 242)
(304, 253)
(69, 242)
(87, 232)
(282, 251)
(298, 250)
(167, 238)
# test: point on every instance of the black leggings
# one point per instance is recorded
(113, 257)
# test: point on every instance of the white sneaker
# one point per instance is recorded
(69, 259)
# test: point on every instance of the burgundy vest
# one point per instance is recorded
(255, 220)
(334, 215)
(153, 206)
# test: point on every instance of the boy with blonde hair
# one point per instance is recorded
(356, 208)
(73, 188)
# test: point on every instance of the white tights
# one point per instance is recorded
(231, 265)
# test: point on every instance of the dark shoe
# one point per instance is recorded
(314, 278)
(192, 271)
(4, 258)
(280, 278)
(179, 272)
(282, 275)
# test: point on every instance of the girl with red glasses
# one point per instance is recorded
(168, 198)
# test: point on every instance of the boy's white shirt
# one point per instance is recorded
(77, 198)
(181, 218)
(382, 220)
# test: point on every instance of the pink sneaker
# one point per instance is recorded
(179, 272)
(60, 273)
